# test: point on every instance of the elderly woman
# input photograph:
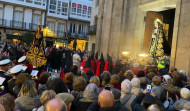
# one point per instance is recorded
(8, 103)
(69, 80)
(126, 96)
(129, 75)
(90, 94)
(105, 76)
(136, 89)
(79, 85)
(95, 80)
(115, 81)
(27, 97)
(185, 97)
(42, 80)
(46, 96)
(156, 83)
(56, 84)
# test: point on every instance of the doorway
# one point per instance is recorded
(167, 17)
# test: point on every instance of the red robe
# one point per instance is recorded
(83, 63)
(98, 68)
(62, 74)
(106, 66)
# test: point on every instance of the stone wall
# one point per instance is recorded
(120, 27)
(180, 55)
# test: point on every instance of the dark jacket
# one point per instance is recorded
(163, 71)
(24, 103)
(107, 109)
(136, 104)
(7, 78)
(117, 107)
(83, 104)
(11, 84)
(70, 86)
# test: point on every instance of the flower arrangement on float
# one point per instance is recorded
(143, 58)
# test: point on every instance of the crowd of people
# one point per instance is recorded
(88, 83)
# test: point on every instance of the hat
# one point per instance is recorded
(166, 77)
(66, 97)
(4, 60)
(22, 59)
(161, 65)
(185, 93)
(16, 69)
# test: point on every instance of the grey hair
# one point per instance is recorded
(91, 91)
(182, 72)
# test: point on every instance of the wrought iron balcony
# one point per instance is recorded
(77, 34)
(18, 25)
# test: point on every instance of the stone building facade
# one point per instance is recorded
(122, 25)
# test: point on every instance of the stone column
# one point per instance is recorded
(180, 54)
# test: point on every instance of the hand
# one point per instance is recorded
(152, 94)
(145, 91)
(56, 75)
(177, 98)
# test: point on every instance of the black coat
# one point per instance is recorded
(11, 84)
(7, 78)
(136, 104)
(56, 59)
(83, 105)
(117, 107)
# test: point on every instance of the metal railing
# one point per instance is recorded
(18, 24)
(92, 30)
(77, 34)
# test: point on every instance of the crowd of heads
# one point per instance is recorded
(133, 89)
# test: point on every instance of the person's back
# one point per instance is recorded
(25, 103)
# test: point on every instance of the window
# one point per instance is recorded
(18, 18)
(59, 7)
(80, 29)
(52, 6)
(97, 3)
(29, 1)
(44, 2)
(37, 2)
(60, 31)
(89, 11)
(79, 9)
(64, 8)
(73, 12)
(35, 21)
(51, 26)
(72, 28)
(1, 16)
(84, 11)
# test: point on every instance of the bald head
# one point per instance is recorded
(106, 99)
(2, 108)
(56, 105)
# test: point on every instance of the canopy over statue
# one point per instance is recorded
(36, 54)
